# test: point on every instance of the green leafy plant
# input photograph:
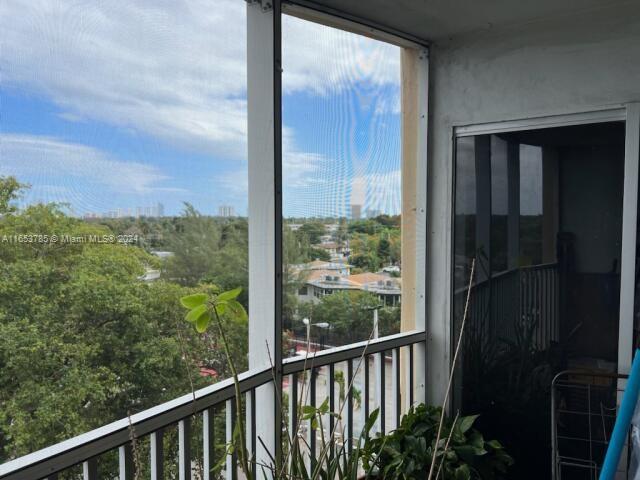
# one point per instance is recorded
(333, 461)
(461, 453)
(203, 309)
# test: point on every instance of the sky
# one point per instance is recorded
(124, 104)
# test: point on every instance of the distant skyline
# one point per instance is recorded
(109, 106)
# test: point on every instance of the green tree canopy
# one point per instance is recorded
(84, 339)
(350, 316)
(10, 190)
(312, 230)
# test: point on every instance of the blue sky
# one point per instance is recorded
(126, 104)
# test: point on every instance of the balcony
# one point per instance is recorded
(344, 163)
(82, 455)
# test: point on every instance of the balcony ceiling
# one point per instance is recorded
(435, 20)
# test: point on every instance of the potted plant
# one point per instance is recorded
(462, 453)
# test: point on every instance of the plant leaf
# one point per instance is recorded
(203, 322)
(463, 472)
(238, 310)
(193, 301)
(221, 308)
(495, 444)
(195, 313)
(467, 422)
(229, 294)
(324, 408)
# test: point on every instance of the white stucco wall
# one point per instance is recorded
(567, 65)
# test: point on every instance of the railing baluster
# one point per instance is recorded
(381, 391)
(312, 432)
(125, 462)
(366, 387)
(349, 382)
(539, 307)
(254, 433)
(230, 413)
(395, 377)
(332, 402)
(411, 376)
(331, 360)
(293, 407)
(90, 469)
(157, 454)
(249, 425)
(208, 443)
(378, 360)
(184, 449)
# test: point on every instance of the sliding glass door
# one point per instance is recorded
(541, 213)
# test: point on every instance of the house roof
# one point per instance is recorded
(317, 274)
(317, 264)
(367, 277)
(336, 264)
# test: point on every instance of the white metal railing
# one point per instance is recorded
(82, 455)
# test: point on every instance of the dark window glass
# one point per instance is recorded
(541, 212)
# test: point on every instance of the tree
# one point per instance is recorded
(384, 249)
(315, 253)
(210, 250)
(84, 340)
(366, 262)
(312, 231)
(389, 221)
(342, 233)
(350, 316)
(10, 190)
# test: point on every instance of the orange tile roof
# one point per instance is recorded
(367, 277)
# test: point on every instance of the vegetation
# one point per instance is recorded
(86, 341)
(333, 461)
(425, 435)
(375, 243)
(462, 453)
(350, 316)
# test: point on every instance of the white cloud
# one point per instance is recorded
(172, 70)
(70, 171)
(319, 59)
(299, 169)
(175, 70)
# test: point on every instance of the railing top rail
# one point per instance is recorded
(76, 450)
(540, 266)
(351, 351)
(108, 437)
(504, 273)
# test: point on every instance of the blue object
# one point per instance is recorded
(623, 421)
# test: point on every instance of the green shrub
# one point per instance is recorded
(462, 454)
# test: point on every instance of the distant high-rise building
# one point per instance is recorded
(372, 213)
(156, 210)
(356, 212)
(226, 211)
